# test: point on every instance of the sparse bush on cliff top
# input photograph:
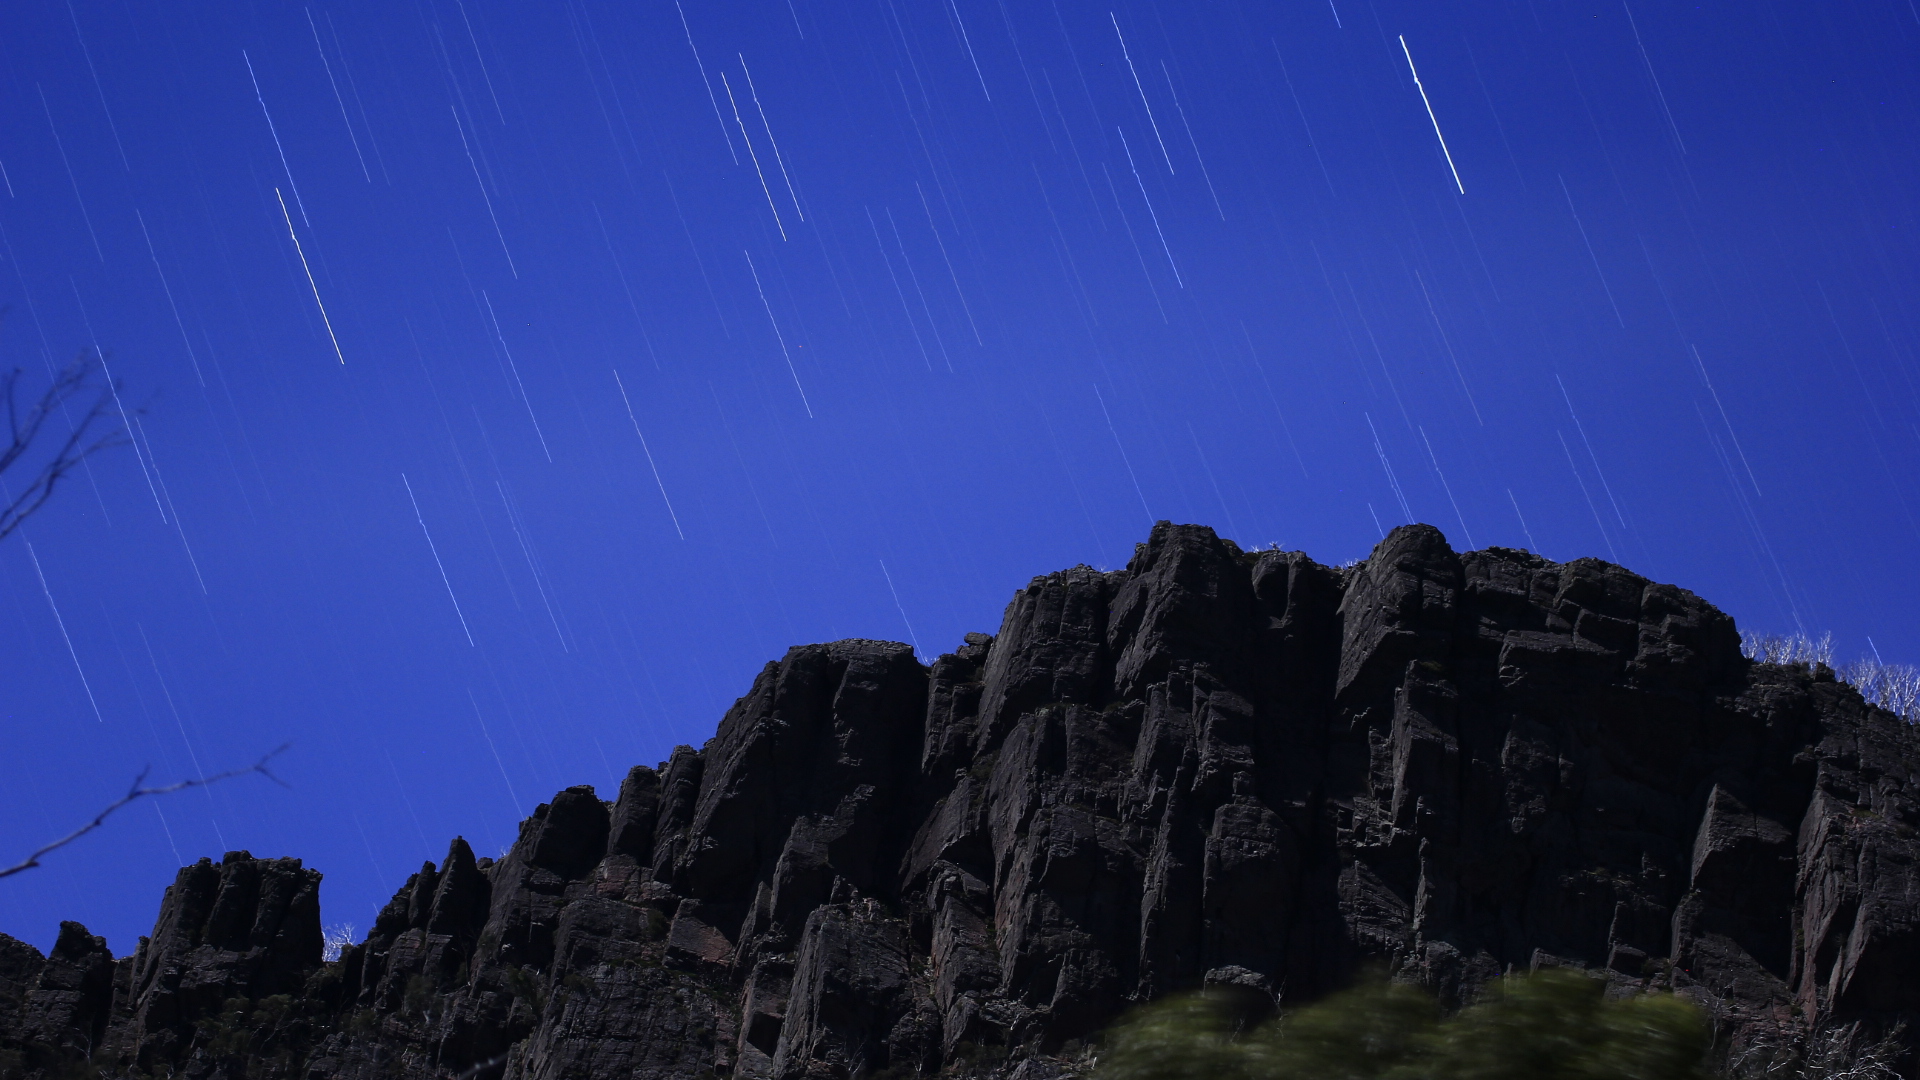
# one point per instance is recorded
(1893, 687)
(1786, 648)
(1553, 1024)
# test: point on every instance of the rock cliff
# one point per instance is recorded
(1214, 766)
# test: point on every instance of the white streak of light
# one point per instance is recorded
(1143, 91)
(1647, 60)
(1430, 116)
(139, 440)
(748, 139)
(1191, 141)
(777, 158)
(648, 451)
(1207, 467)
(1753, 523)
(62, 623)
(1392, 480)
(275, 132)
(95, 72)
(1587, 495)
(935, 229)
(1150, 213)
(353, 88)
(1723, 416)
(1446, 487)
(168, 289)
(614, 256)
(62, 147)
(482, 61)
(968, 42)
(1608, 289)
(1597, 471)
(171, 509)
(899, 607)
(311, 284)
(914, 276)
(1448, 342)
(436, 559)
(496, 751)
(708, 83)
(484, 197)
(1285, 427)
(515, 368)
(1124, 460)
(1132, 241)
(180, 722)
(1302, 110)
(898, 291)
(125, 421)
(169, 831)
(533, 564)
(342, 102)
(1535, 547)
(782, 338)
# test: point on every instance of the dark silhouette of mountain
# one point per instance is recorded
(1214, 766)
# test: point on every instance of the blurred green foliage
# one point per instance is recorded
(1553, 1024)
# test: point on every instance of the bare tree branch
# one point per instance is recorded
(83, 438)
(136, 791)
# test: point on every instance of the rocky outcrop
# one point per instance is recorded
(1220, 767)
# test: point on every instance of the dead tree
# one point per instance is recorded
(138, 790)
(47, 458)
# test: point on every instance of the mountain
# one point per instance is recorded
(1213, 767)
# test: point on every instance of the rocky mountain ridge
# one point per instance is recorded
(1212, 767)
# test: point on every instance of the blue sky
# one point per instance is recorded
(519, 379)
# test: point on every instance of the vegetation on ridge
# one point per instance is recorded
(1893, 687)
(1554, 1023)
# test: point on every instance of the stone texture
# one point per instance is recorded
(1238, 769)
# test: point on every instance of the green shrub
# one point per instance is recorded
(1554, 1025)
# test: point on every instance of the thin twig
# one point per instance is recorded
(139, 792)
(22, 433)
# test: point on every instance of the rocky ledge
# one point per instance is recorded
(1214, 766)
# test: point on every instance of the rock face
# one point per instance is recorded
(1242, 768)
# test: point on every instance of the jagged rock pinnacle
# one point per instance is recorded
(1214, 766)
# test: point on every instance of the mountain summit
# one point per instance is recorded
(1213, 767)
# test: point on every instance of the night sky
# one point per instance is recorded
(517, 379)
